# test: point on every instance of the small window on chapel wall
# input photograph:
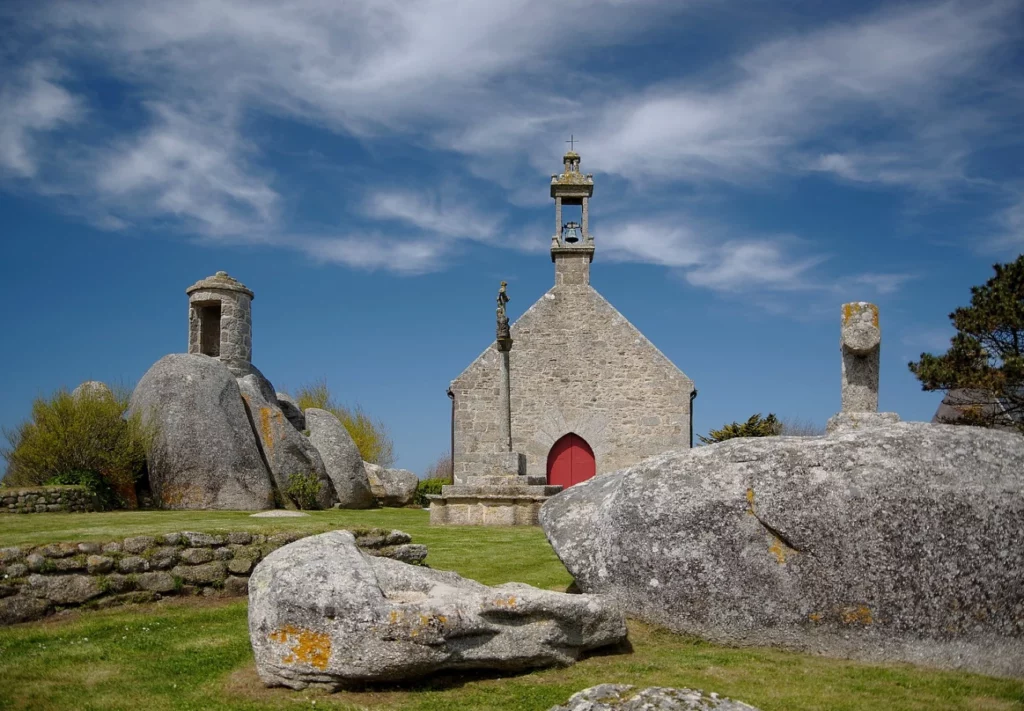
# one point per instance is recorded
(209, 327)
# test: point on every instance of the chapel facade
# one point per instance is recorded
(589, 393)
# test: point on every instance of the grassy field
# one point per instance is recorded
(194, 653)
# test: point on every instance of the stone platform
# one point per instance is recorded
(501, 495)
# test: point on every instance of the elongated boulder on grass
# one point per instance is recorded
(287, 451)
(902, 542)
(391, 487)
(324, 614)
(204, 454)
(341, 457)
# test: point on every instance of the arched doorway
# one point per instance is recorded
(570, 461)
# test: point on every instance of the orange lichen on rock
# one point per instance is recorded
(502, 602)
(265, 431)
(778, 549)
(859, 614)
(856, 307)
(308, 647)
(815, 616)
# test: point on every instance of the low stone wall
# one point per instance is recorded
(38, 580)
(43, 499)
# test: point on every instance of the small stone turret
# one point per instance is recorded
(572, 246)
(220, 320)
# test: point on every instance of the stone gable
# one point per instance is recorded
(577, 366)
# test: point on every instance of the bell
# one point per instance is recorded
(571, 232)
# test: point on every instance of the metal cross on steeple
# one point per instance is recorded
(571, 142)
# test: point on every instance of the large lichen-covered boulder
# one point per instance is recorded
(286, 451)
(903, 542)
(204, 454)
(324, 614)
(291, 410)
(623, 697)
(391, 487)
(341, 457)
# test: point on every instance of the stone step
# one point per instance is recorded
(505, 480)
(510, 491)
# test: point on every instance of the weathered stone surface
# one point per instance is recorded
(22, 608)
(391, 487)
(375, 619)
(291, 411)
(860, 420)
(88, 548)
(860, 341)
(133, 564)
(64, 589)
(195, 539)
(171, 539)
(195, 556)
(160, 582)
(201, 574)
(236, 586)
(67, 565)
(204, 455)
(16, 570)
(99, 564)
(35, 562)
(413, 553)
(163, 558)
(92, 388)
(341, 457)
(139, 544)
(10, 555)
(286, 450)
(240, 566)
(623, 697)
(897, 543)
(239, 538)
(227, 334)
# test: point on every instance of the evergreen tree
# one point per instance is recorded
(985, 361)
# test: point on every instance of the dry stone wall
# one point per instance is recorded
(47, 499)
(577, 366)
(38, 580)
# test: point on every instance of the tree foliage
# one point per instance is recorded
(88, 433)
(985, 360)
(755, 426)
(370, 434)
(440, 469)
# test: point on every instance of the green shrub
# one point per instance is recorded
(304, 489)
(428, 487)
(370, 435)
(756, 426)
(105, 495)
(89, 433)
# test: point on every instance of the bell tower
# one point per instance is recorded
(572, 246)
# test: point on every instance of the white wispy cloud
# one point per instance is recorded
(494, 83)
(32, 102)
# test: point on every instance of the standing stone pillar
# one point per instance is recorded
(558, 218)
(860, 341)
(504, 343)
(586, 219)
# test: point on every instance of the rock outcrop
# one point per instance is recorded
(92, 388)
(341, 458)
(903, 542)
(204, 455)
(291, 410)
(286, 451)
(374, 619)
(623, 697)
(391, 487)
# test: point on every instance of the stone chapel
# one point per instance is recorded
(589, 393)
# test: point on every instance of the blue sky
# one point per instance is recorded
(373, 168)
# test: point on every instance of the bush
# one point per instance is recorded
(89, 433)
(106, 497)
(370, 435)
(756, 426)
(428, 487)
(794, 427)
(304, 489)
(440, 469)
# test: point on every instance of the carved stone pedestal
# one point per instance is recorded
(499, 495)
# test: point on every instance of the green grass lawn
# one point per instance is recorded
(194, 653)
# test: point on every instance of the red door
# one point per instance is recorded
(570, 461)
